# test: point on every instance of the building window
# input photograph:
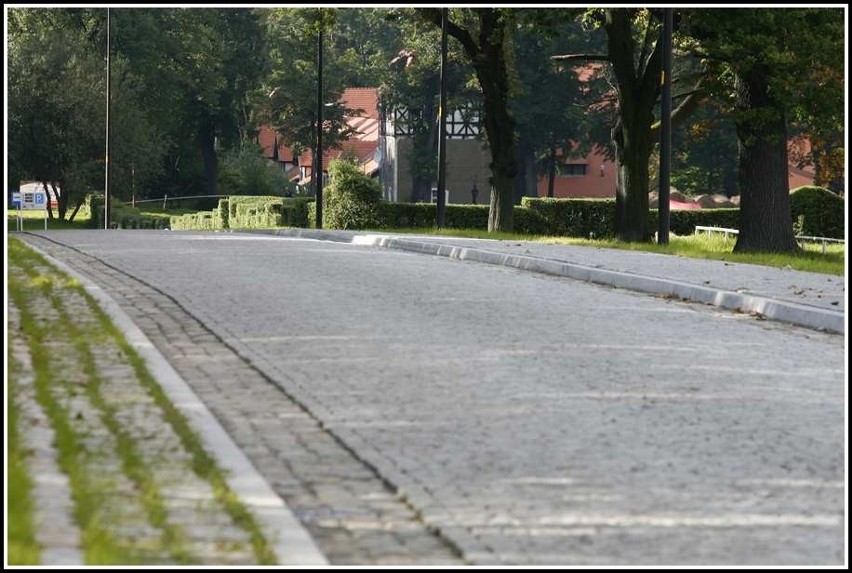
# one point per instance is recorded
(573, 169)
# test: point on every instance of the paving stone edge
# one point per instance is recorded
(288, 539)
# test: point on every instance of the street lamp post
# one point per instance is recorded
(318, 154)
(106, 156)
(442, 129)
(665, 131)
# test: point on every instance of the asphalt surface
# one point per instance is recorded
(434, 410)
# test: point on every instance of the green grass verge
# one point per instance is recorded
(22, 547)
(703, 246)
(99, 546)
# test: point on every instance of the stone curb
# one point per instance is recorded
(288, 539)
(799, 314)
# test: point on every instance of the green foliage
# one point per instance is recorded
(704, 153)
(684, 222)
(248, 212)
(254, 212)
(573, 217)
(122, 216)
(295, 211)
(818, 212)
(201, 221)
(23, 549)
(244, 171)
(287, 96)
(351, 200)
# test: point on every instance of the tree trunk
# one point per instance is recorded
(633, 135)
(551, 171)
(530, 175)
(632, 153)
(61, 198)
(501, 208)
(488, 57)
(208, 152)
(492, 72)
(526, 179)
(765, 223)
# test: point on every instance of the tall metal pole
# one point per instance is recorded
(106, 156)
(442, 129)
(665, 130)
(318, 154)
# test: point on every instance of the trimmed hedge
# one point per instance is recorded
(817, 212)
(202, 221)
(535, 216)
(572, 217)
(122, 216)
(419, 215)
(254, 211)
(684, 222)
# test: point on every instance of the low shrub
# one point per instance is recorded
(572, 217)
(352, 199)
(817, 212)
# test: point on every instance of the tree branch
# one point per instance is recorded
(433, 15)
(687, 106)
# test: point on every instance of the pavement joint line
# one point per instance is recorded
(790, 312)
(288, 539)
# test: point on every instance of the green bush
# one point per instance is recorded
(221, 214)
(95, 203)
(529, 221)
(122, 216)
(351, 200)
(295, 211)
(422, 215)
(571, 217)
(254, 211)
(684, 222)
(245, 171)
(202, 221)
(817, 212)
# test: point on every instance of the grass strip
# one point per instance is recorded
(132, 461)
(701, 246)
(203, 465)
(22, 547)
(99, 545)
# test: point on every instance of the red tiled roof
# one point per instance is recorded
(266, 138)
(366, 99)
(364, 142)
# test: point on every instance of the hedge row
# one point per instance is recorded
(554, 217)
(122, 216)
(247, 212)
(816, 212)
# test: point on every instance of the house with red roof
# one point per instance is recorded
(381, 145)
(363, 145)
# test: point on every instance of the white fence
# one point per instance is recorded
(800, 238)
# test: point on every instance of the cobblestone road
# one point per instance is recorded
(525, 419)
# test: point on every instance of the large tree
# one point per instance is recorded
(57, 105)
(198, 67)
(634, 52)
(287, 97)
(777, 66)
(485, 35)
(555, 111)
